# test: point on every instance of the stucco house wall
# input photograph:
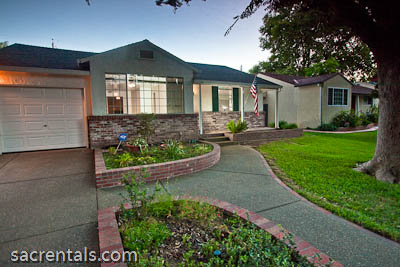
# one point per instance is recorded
(126, 60)
(309, 105)
(328, 112)
(287, 101)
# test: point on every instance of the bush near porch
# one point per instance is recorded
(320, 168)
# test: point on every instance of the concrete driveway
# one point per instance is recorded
(47, 202)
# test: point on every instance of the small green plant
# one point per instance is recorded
(140, 142)
(174, 149)
(271, 124)
(147, 234)
(112, 150)
(145, 128)
(238, 127)
(286, 125)
(125, 159)
(327, 127)
(138, 198)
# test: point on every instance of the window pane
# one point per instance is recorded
(345, 97)
(338, 97)
(225, 100)
(330, 96)
(116, 93)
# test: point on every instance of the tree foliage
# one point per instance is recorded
(3, 44)
(299, 40)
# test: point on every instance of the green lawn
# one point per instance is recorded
(320, 168)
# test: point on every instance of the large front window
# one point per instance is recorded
(225, 100)
(337, 96)
(133, 94)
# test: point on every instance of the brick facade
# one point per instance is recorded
(216, 121)
(264, 135)
(104, 130)
(158, 171)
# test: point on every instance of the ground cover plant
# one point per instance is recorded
(168, 232)
(168, 151)
(320, 168)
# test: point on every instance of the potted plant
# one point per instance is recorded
(137, 145)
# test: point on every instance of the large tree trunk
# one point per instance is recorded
(385, 164)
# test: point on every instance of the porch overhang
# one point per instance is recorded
(238, 84)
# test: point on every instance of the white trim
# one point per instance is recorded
(200, 111)
(333, 96)
(45, 70)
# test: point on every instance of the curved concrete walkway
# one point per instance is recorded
(344, 132)
(241, 178)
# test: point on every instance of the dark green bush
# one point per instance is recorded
(364, 119)
(286, 125)
(327, 127)
(373, 114)
(346, 119)
(236, 128)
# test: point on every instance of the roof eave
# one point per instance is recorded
(230, 83)
(45, 70)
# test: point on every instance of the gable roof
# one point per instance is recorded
(299, 81)
(361, 90)
(283, 77)
(20, 55)
(146, 42)
(208, 72)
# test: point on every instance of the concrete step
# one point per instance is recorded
(216, 139)
(227, 143)
(210, 135)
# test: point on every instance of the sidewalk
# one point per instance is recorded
(242, 179)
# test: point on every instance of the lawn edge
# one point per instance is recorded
(312, 204)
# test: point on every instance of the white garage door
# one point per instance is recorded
(41, 118)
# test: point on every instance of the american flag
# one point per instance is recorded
(253, 92)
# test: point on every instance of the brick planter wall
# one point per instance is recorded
(157, 171)
(104, 130)
(264, 135)
(110, 238)
(216, 121)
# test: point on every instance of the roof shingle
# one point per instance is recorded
(20, 55)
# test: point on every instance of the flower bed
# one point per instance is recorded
(156, 171)
(197, 231)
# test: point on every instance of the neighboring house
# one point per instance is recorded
(53, 98)
(310, 101)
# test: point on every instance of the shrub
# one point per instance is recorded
(271, 124)
(286, 125)
(373, 114)
(346, 119)
(236, 128)
(145, 128)
(364, 119)
(327, 127)
(173, 149)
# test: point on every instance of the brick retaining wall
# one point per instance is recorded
(264, 135)
(216, 121)
(104, 130)
(157, 171)
(110, 237)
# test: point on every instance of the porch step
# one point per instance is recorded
(227, 143)
(210, 135)
(215, 139)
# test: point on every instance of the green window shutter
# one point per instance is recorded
(235, 99)
(215, 100)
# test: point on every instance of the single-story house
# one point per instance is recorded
(54, 98)
(310, 101)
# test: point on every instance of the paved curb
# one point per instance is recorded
(344, 132)
(110, 239)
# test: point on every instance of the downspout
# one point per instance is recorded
(320, 100)
(200, 111)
